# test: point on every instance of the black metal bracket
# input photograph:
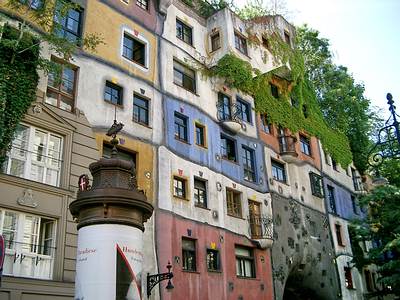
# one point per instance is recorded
(153, 280)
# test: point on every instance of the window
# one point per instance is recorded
(215, 41)
(369, 280)
(61, 87)
(184, 32)
(200, 135)
(278, 171)
(244, 110)
(233, 202)
(200, 192)
(245, 262)
(224, 107)
(316, 185)
(143, 4)
(228, 148)
(305, 145)
(140, 110)
(348, 278)
(179, 187)
(287, 37)
(354, 204)
(68, 25)
(184, 77)
(266, 124)
(338, 231)
(31, 238)
(134, 50)
(36, 155)
(265, 43)
(249, 167)
(188, 254)
(34, 4)
(241, 43)
(113, 93)
(121, 154)
(294, 101)
(334, 164)
(213, 260)
(274, 91)
(181, 130)
(331, 198)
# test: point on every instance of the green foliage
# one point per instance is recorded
(382, 225)
(18, 82)
(340, 98)
(239, 74)
(259, 8)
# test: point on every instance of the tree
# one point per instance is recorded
(259, 8)
(382, 227)
(340, 98)
(21, 57)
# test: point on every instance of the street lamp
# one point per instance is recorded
(388, 143)
(153, 280)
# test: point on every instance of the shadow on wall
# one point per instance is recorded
(295, 290)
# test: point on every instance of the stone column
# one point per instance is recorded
(110, 216)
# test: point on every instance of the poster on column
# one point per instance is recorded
(109, 263)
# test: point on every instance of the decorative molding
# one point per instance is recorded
(27, 199)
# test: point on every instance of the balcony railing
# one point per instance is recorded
(229, 116)
(28, 260)
(260, 227)
(287, 147)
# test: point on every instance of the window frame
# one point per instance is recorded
(192, 253)
(212, 39)
(184, 74)
(185, 29)
(184, 188)
(197, 202)
(331, 198)
(339, 235)
(241, 259)
(29, 152)
(58, 89)
(348, 278)
(217, 267)
(63, 26)
(247, 113)
(317, 189)
(241, 43)
(305, 145)
(141, 108)
(278, 166)
(233, 203)
(266, 125)
(224, 149)
(249, 171)
(185, 126)
(274, 90)
(203, 143)
(225, 102)
(128, 35)
(140, 4)
(117, 88)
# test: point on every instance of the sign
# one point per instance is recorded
(83, 182)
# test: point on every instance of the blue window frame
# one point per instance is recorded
(244, 110)
(69, 25)
(249, 164)
(181, 127)
(278, 171)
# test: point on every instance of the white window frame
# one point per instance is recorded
(29, 152)
(26, 259)
(140, 38)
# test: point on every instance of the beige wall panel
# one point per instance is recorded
(69, 264)
(85, 150)
(4, 295)
(71, 227)
(82, 160)
(70, 252)
(69, 276)
(48, 204)
(71, 239)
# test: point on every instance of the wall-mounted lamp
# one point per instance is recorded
(153, 280)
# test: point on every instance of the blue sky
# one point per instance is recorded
(364, 36)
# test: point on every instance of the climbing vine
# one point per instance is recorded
(305, 115)
(18, 82)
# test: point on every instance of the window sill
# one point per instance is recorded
(114, 104)
(247, 278)
(214, 271)
(282, 182)
(180, 198)
(250, 181)
(142, 124)
(237, 217)
(72, 111)
(190, 91)
(191, 272)
(186, 43)
(215, 50)
(182, 141)
(135, 63)
(202, 207)
(230, 160)
(202, 147)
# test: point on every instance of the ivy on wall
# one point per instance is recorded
(305, 115)
(18, 81)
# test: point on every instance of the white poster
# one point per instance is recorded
(109, 263)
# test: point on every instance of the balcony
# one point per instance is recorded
(261, 229)
(287, 148)
(229, 116)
